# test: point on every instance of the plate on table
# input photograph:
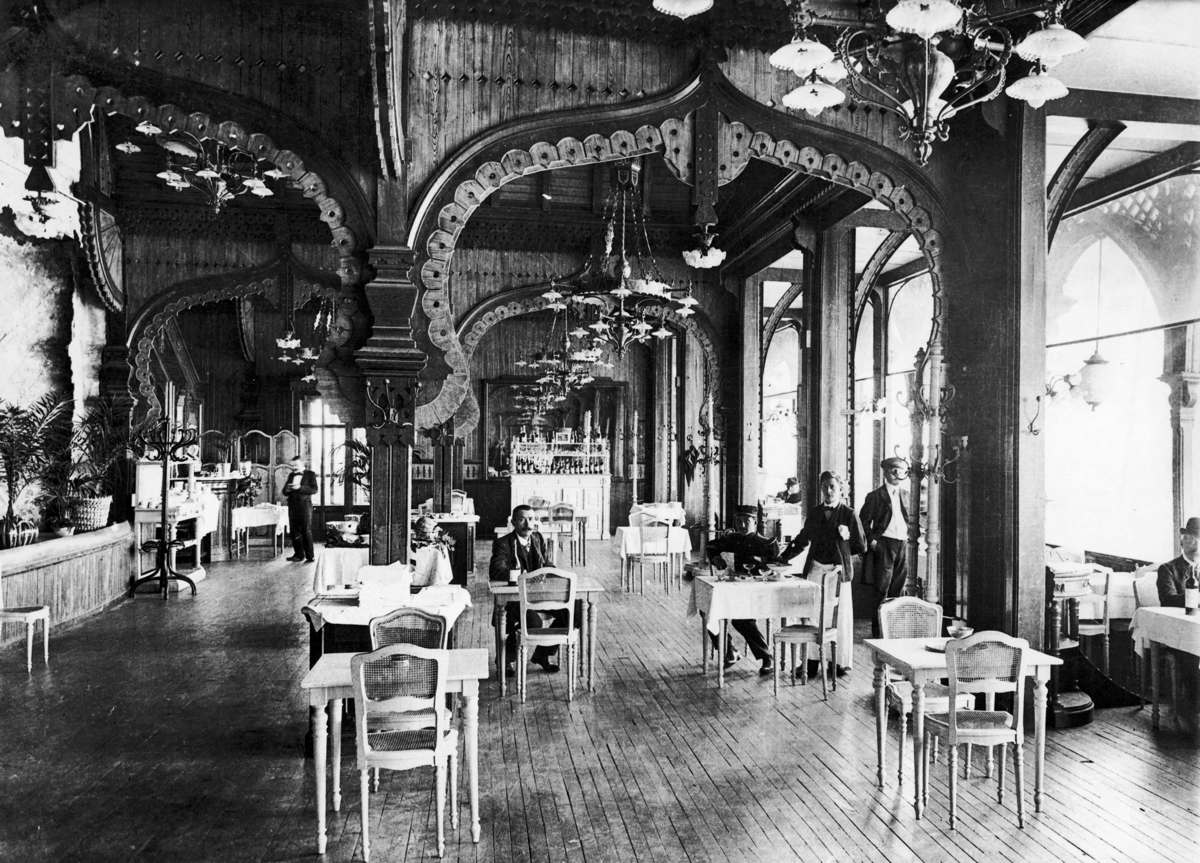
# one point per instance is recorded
(940, 647)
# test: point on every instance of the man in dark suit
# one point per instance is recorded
(299, 488)
(1173, 573)
(523, 548)
(751, 553)
(791, 494)
(884, 517)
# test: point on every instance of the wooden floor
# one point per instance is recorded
(174, 731)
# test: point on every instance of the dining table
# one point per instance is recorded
(1156, 627)
(719, 598)
(922, 661)
(329, 683)
(587, 588)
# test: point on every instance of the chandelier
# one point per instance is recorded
(219, 171)
(924, 61)
(292, 350)
(567, 363)
(620, 294)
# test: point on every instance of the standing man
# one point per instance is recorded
(1173, 573)
(523, 548)
(884, 517)
(751, 553)
(301, 485)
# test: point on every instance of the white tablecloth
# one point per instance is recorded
(450, 601)
(671, 512)
(1120, 600)
(791, 597)
(262, 515)
(337, 567)
(1167, 626)
(627, 541)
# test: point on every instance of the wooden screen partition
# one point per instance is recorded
(268, 457)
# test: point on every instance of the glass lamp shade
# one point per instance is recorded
(1049, 45)
(1097, 379)
(924, 18)
(833, 71)
(801, 56)
(813, 97)
(682, 8)
(924, 73)
(1036, 89)
(704, 259)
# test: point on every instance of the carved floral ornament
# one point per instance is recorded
(648, 139)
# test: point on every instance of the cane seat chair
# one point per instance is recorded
(562, 523)
(823, 632)
(911, 617)
(653, 549)
(548, 590)
(1096, 622)
(402, 723)
(409, 626)
(987, 663)
(29, 615)
(1145, 595)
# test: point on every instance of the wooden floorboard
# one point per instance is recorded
(175, 731)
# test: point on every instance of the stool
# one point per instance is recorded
(30, 615)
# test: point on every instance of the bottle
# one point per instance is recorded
(1191, 590)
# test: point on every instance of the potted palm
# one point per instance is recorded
(100, 448)
(30, 440)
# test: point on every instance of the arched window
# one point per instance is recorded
(1108, 468)
(781, 382)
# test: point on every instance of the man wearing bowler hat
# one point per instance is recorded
(1173, 573)
(884, 517)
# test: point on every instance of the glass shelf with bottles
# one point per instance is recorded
(560, 457)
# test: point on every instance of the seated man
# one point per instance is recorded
(751, 553)
(523, 548)
(1173, 573)
(791, 494)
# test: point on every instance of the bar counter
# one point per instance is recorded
(75, 575)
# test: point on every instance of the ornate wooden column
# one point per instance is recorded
(665, 411)
(390, 362)
(1185, 407)
(829, 393)
(749, 393)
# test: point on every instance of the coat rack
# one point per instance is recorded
(162, 443)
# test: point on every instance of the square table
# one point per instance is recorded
(329, 683)
(627, 542)
(718, 601)
(587, 588)
(1158, 627)
(919, 665)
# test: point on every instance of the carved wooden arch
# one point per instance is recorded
(659, 125)
(84, 98)
(153, 319)
(872, 271)
(527, 300)
(775, 322)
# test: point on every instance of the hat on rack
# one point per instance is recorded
(893, 461)
(1192, 527)
(746, 509)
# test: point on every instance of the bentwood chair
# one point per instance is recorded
(402, 723)
(910, 617)
(987, 663)
(409, 626)
(822, 633)
(547, 591)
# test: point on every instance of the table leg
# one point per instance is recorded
(918, 732)
(1039, 736)
(704, 645)
(1155, 662)
(592, 617)
(471, 731)
(335, 750)
(501, 642)
(722, 640)
(880, 681)
(320, 742)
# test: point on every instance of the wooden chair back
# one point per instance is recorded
(546, 590)
(986, 662)
(910, 617)
(409, 626)
(400, 702)
(1145, 587)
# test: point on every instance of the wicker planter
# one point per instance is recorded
(89, 513)
(15, 533)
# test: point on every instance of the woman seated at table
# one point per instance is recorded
(833, 530)
(751, 553)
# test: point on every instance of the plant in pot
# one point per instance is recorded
(31, 439)
(56, 494)
(100, 448)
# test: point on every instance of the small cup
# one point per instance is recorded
(512, 575)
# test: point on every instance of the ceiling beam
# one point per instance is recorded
(1183, 159)
(902, 273)
(770, 209)
(889, 220)
(1126, 107)
(1071, 172)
